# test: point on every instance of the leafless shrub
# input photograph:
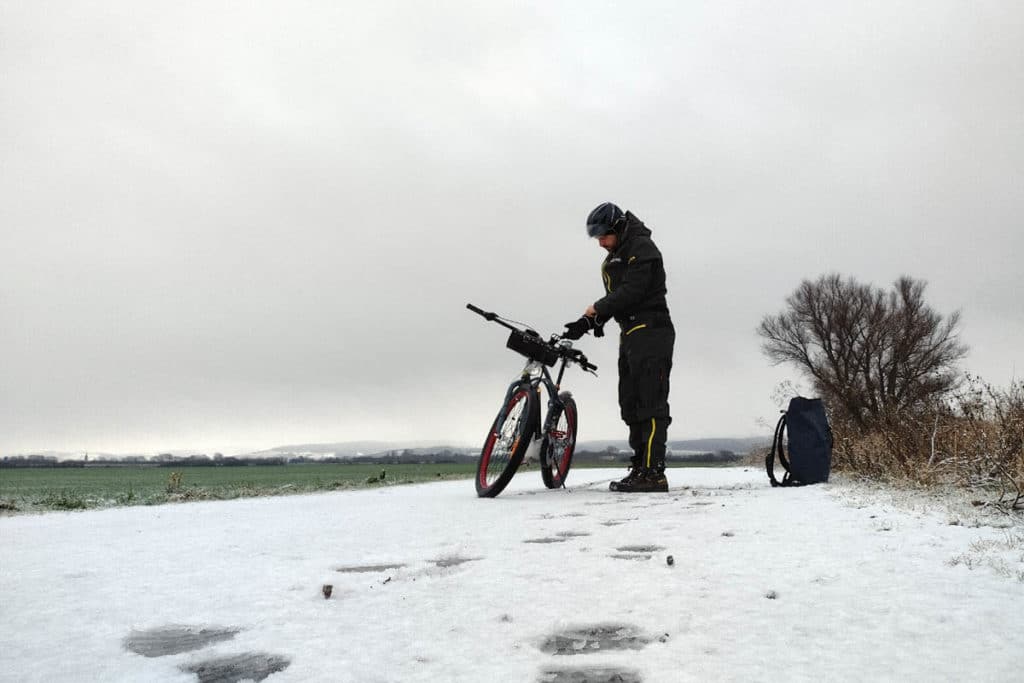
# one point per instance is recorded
(885, 364)
(871, 354)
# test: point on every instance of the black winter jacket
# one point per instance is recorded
(634, 279)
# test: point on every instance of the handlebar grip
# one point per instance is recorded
(578, 356)
(479, 311)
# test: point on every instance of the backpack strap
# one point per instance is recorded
(769, 461)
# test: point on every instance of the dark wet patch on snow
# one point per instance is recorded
(620, 520)
(546, 539)
(172, 640)
(77, 575)
(573, 534)
(630, 556)
(251, 666)
(639, 548)
(453, 561)
(590, 639)
(368, 568)
(594, 675)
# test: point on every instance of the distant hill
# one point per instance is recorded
(355, 449)
(351, 449)
(736, 445)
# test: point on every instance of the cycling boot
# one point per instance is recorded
(634, 468)
(644, 480)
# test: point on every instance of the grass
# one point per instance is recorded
(42, 489)
(1005, 556)
(38, 489)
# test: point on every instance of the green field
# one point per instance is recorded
(60, 488)
(82, 488)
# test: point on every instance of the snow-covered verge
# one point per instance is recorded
(429, 583)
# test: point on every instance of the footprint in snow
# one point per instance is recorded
(617, 522)
(171, 640)
(635, 552)
(640, 548)
(453, 561)
(589, 675)
(368, 568)
(560, 537)
(250, 666)
(584, 640)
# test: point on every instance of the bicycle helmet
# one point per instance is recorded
(604, 220)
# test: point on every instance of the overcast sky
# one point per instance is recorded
(233, 225)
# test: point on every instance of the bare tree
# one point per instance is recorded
(871, 353)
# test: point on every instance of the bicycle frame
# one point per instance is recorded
(536, 373)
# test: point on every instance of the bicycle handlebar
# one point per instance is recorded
(578, 357)
(569, 353)
(480, 311)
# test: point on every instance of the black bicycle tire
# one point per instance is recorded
(522, 437)
(556, 479)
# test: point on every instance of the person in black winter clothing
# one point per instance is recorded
(634, 280)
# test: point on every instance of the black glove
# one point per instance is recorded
(578, 328)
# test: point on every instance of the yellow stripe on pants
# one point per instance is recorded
(650, 441)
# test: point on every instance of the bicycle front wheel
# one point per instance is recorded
(506, 443)
(558, 446)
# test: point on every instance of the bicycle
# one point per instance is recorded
(517, 425)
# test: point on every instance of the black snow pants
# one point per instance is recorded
(645, 363)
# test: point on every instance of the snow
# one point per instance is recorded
(832, 581)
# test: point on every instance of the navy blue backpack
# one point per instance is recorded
(810, 444)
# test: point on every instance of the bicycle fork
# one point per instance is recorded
(540, 430)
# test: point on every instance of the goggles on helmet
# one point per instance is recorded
(601, 229)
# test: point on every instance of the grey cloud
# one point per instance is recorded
(237, 224)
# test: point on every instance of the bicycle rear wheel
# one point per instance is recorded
(506, 443)
(558, 446)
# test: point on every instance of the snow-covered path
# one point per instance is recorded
(432, 584)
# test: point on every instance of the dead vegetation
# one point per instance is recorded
(973, 439)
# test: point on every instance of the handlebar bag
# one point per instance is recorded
(530, 344)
